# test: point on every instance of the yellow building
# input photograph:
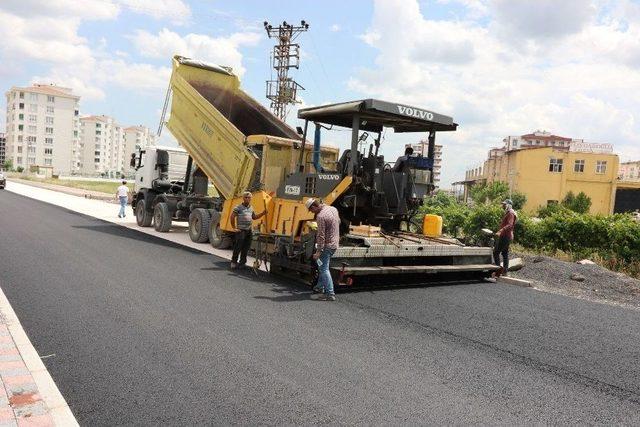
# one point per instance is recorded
(546, 174)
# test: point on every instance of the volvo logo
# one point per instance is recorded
(331, 177)
(414, 112)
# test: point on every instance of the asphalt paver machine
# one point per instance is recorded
(239, 145)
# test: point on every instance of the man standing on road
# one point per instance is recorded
(241, 220)
(327, 239)
(122, 194)
(504, 237)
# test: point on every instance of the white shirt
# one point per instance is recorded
(123, 191)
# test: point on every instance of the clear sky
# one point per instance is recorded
(498, 67)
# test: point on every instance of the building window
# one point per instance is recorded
(19, 160)
(19, 138)
(48, 141)
(19, 149)
(20, 127)
(96, 160)
(33, 97)
(21, 95)
(48, 131)
(31, 150)
(33, 129)
(33, 118)
(76, 113)
(21, 106)
(601, 166)
(50, 98)
(75, 133)
(47, 162)
(555, 165)
(96, 153)
(48, 151)
(48, 120)
(20, 116)
(98, 132)
(50, 109)
(33, 108)
(31, 140)
(98, 125)
(31, 160)
(578, 166)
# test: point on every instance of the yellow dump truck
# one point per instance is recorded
(239, 145)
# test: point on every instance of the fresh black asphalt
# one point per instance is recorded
(143, 331)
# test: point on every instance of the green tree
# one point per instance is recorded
(496, 192)
(8, 165)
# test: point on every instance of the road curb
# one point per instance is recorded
(513, 281)
(58, 408)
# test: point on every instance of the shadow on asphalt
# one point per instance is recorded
(116, 230)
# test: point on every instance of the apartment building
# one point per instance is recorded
(43, 128)
(629, 171)
(102, 141)
(136, 137)
(422, 147)
(3, 141)
(107, 146)
(538, 138)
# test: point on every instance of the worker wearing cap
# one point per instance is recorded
(242, 218)
(327, 237)
(504, 236)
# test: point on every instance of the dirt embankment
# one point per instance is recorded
(597, 284)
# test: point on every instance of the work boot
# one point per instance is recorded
(326, 297)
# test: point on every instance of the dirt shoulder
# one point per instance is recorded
(599, 284)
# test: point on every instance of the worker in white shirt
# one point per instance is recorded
(122, 194)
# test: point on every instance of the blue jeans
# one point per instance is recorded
(324, 276)
(123, 205)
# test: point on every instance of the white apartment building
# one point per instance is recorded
(3, 140)
(136, 137)
(102, 141)
(107, 146)
(42, 128)
(422, 147)
(537, 139)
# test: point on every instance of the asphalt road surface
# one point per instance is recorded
(146, 332)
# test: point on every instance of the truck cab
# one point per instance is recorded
(170, 187)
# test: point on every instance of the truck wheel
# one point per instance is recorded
(199, 225)
(218, 238)
(162, 217)
(143, 218)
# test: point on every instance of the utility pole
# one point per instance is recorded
(286, 55)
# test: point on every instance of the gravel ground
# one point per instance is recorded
(600, 284)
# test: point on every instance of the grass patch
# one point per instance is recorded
(99, 186)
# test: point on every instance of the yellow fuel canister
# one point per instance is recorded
(432, 225)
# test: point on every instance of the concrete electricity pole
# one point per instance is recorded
(286, 55)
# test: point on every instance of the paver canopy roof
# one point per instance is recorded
(375, 115)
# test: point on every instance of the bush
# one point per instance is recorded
(20, 169)
(580, 203)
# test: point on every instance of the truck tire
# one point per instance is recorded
(162, 217)
(218, 238)
(143, 218)
(199, 220)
